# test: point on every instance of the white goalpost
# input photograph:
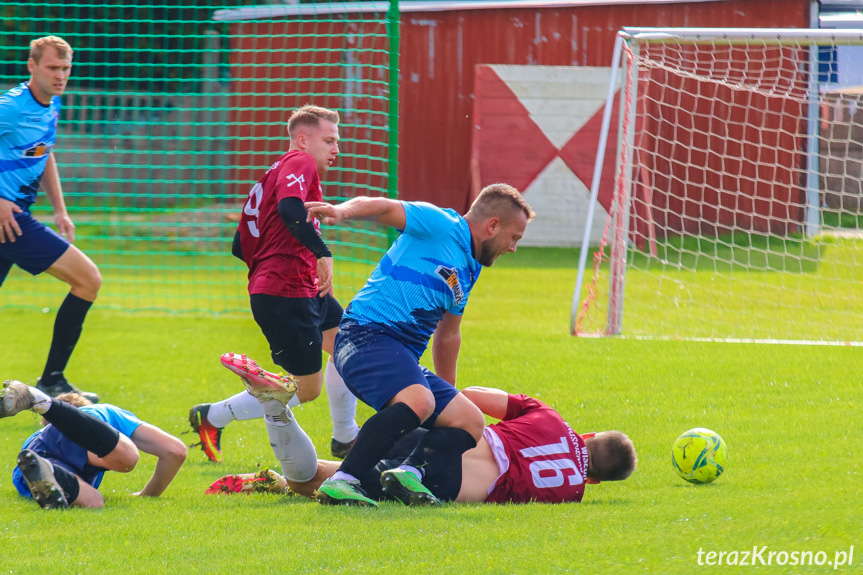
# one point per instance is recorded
(737, 207)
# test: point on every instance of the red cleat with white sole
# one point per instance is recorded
(264, 481)
(262, 384)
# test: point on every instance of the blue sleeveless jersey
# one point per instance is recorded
(28, 132)
(429, 270)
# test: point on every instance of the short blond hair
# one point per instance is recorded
(311, 116)
(37, 47)
(499, 201)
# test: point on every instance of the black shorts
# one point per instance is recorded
(294, 328)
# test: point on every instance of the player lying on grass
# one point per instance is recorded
(531, 454)
(290, 282)
(62, 464)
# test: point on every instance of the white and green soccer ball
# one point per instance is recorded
(699, 455)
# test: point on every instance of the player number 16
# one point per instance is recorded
(550, 472)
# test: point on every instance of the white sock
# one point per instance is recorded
(41, 401)
(343, 405)
(241, 407)
(294, 402)
(342, 476)
(276, 414)
(413, 470)
(291, 446)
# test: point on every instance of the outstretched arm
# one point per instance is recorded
(490, 401)
(381, 210)
(170, 451)
(446, 345)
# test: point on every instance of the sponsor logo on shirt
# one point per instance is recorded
(39, 150)
(451, 278)
(293, 179)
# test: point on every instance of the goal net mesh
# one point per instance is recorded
(737, 208)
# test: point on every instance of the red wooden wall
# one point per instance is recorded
(439, 50)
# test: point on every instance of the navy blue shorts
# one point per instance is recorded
(35, 250)
(62, 451)
(294, 328)
(376, 366)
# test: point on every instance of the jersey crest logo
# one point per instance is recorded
(39, 150)
(299, 180)
(451, 278)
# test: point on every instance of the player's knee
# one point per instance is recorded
(87, 283)
(423, 406)
(309, 387)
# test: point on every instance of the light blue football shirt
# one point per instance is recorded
(429, 270)
(28, 132)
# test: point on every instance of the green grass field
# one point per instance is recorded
(790, 415)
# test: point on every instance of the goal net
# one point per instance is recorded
(737, 209)
(174, 110)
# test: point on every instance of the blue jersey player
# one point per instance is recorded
(419, 289)
(28, 132)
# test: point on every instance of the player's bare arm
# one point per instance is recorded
(381, 210)
(446, 345)
(9, 228)
(170, 451)
(325, 276)
(490, 401)
(51, 184)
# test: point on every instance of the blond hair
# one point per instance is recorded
(37, 47)
(499, 201)
(310, 116)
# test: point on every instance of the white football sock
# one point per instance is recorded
(294, 402)
(413, 470)
(291, 446)
(342, 476)
(41, 401)
(343, 405)
(241, 407)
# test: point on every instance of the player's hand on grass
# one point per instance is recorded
(325, 276)
(327, 213)
(65, 226)
(9, 228)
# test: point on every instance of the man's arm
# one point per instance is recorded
(51, 185)
(446, 345)
(492, 402)
(381, 210)
(170, 451)
(295, 218)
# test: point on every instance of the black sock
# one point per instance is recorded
(83, 429)
(67, 330)
(377, 436)
(68, 483)
(437, 454)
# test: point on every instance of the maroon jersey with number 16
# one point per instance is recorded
(278, 264)
(540, 457)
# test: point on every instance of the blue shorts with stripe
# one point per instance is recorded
(35, 250)
(376, 366)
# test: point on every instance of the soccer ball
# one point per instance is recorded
(699, 455)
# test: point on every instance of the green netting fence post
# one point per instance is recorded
(393, 18)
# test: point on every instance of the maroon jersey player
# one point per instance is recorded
(531, 454)
(290, 282)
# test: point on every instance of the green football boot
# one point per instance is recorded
(343, 492)
(404, 486)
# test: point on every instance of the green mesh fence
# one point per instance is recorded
(174, 112)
